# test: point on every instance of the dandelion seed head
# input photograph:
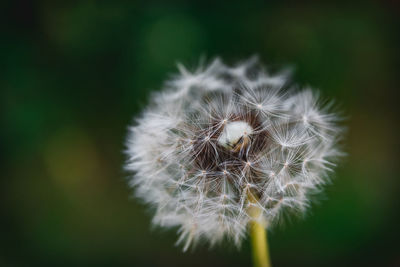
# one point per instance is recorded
(219, 140)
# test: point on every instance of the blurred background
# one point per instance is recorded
(75, 73)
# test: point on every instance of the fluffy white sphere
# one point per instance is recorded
(215, 142)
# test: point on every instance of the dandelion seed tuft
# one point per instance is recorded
(221, 140)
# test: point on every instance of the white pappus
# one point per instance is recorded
(221, 139)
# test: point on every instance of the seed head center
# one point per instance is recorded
(235, 135)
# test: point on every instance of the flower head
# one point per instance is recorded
(216, 142)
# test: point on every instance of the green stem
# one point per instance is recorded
(258, 234)
(260, 245)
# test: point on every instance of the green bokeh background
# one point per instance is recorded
(75, 73)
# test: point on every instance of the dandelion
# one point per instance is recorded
(222, 149)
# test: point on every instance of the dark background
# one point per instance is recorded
(73, 74)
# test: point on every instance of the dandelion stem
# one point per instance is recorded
(260, 245)
(258, 234)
